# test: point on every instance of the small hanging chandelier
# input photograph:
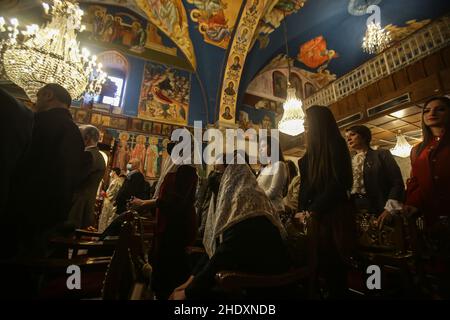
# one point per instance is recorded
(376, 39)
(36, 56)
(402, 149)
(293, 116)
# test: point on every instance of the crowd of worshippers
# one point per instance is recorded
(52, 170)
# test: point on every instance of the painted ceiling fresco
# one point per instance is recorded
(324, 41)
(325, 37)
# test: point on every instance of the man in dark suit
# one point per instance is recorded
(133, 186)
(82, 212)
(52, 172)
(377, 181)
(16, 125)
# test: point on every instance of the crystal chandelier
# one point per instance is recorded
(293, 117)
(402, 149)
(376, 39)
(32, 56)
(292, 121)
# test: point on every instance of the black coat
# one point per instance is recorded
(253, 245)
(133, 186)
(16, 124)
(53, 171)
(333, 193)
(382, 179)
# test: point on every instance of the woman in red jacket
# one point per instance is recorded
(428, 189)
(428, 192)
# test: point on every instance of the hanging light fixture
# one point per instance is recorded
(376, 39)
(35, 56)
(402, 149)
(293, 116)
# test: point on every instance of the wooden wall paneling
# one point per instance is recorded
(425, 88)
(401, 79)
(416, 71)
(335, 110)
(433, 64)
(386, 85)
(445, 53)
(352, 104)
(373, 92)
(445, 79)
(361, 98)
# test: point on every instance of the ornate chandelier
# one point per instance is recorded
(402, 149)
(376, 39)
(293, 116)
(33, 56)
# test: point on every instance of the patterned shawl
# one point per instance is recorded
(239, 198)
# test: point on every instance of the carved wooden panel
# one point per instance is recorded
(386, 85)
(433, 64)
(416, 71)
(401, 79)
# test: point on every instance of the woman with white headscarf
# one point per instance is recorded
(243, 234)
(173, 199)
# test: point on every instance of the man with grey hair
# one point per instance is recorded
(82, 212)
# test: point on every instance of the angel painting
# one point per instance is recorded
(315, 54)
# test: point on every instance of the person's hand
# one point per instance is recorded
(103, 194)
(409, 210)
(136, 202)
(384, 215)
(178, 295)
(302, 216)
(91, 229)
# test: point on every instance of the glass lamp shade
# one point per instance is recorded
(293, 116)
(402, 149)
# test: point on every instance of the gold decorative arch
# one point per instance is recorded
(171, 18)
(242, 41)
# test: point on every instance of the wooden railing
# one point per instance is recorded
(422, 43)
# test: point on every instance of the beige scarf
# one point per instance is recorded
(239, 198)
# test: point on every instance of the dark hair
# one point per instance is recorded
(363, 131)
(426, 131)
(292, 169)
(116, 170)
(326, 149)
(60, 93)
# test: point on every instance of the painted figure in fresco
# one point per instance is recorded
(108, 28)
(98, 23)
(138, 151)
(170, 15)
(266, 123)
(279, 84)
(139, 37)
(230, 89)
(122, 155)
(227, 114)
(236, 64)
(116, 36)
(151, 158)
(211, 18)
(314, 54)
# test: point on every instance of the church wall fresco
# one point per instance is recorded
(116, 27)
(171, 18)
(164, 94)
(215, 19)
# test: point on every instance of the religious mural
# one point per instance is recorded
(150, 150)
(170, 17)
(276, 10)
(164, 95)
(397, 33)
(114, 27)
(236, 58)
(249, 118)
(216, 19)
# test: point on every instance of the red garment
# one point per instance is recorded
(175, 209)
(428, 189)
